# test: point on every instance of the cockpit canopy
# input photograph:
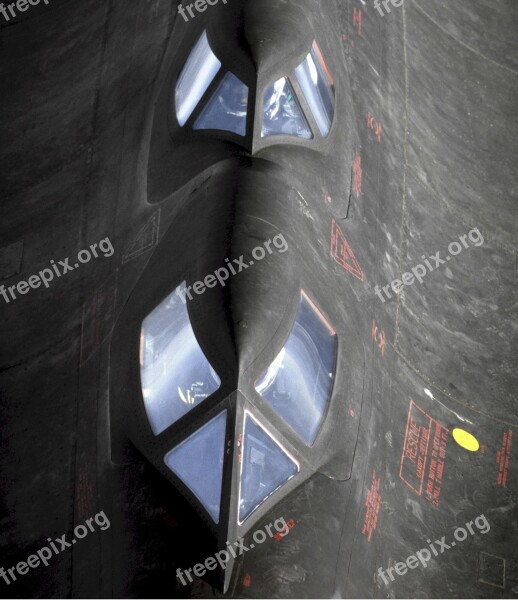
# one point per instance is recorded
(176, 377)
(292, 105)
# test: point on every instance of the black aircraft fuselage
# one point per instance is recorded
(228, 196)
(222, 403)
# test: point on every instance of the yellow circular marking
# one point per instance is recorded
(465, 440)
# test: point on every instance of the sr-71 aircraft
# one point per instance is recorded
(258, 290)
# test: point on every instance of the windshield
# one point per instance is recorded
(174, 372)
(227, 108)
(196, 76)
(317, 85)
(299, 382)
(265, 467)
(282, 114)
(198, 462)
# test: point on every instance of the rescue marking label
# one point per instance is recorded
(372, 505)
(424, 437)
(502, 457)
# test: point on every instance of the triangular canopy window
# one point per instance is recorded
(198, 462)
(282, 114)
(227, 108)
(265, 467)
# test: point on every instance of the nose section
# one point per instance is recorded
(240, 237)
(257, 462)
(239, 250)
(243, 276)
(245, 234)
(249, 258)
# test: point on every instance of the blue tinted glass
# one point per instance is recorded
(299, 381)
(198, 462)
(317, 85)
(196, 76)
(174, 372)
(265, 467)
(227, 108)
(282, 114)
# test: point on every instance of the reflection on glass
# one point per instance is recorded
(299, 381)
(282, 114)
(317, 85)
(196, 76)
(174, 372)
(198, 462)
(265, 466)
(227, 108)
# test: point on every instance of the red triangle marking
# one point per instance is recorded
(341, 252)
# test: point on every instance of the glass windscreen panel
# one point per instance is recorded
(299, 382)
(196, 76)
(265, 467)
(317, 86)
(282, 114)
(198, 462)
(227, 108)
(174, 372)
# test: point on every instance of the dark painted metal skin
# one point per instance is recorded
(91, 150)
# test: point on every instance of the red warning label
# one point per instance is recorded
(502, 457)
(436, 468)
(372, 505)
(341, 252)
(375, 126)
(357, 175)
(357, 19)
(424, 451)
(378, 336)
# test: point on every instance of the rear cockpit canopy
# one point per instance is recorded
(300, 104)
